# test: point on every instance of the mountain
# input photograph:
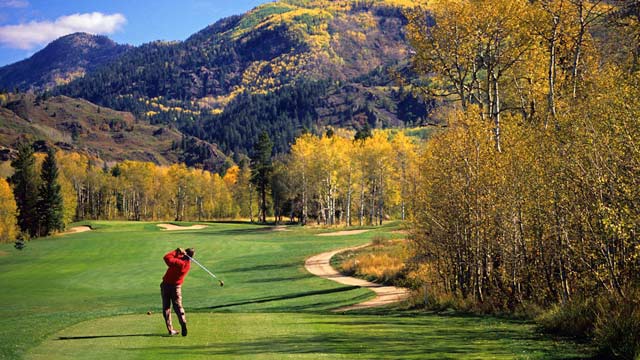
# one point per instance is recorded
(284, 67)
(80, 126)
(63, 60)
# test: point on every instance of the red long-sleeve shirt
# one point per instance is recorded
(178, 268)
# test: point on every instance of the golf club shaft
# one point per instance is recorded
(201, 266)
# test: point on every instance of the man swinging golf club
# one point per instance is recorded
(179, 263)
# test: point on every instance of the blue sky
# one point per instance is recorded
(26, 26)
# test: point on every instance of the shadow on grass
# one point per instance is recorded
(109, 336)
(278, 279)
(211, 231)
(265, 267)
(247, 222)
(318, 307)
(281, 297)
(377, 339)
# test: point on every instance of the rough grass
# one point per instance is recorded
(609, 321)
(86, 296)
(383, 262)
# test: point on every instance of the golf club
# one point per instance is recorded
(205, 269)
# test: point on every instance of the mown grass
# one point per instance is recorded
(86, 296)
(302, 336)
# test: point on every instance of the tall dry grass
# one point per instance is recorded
(382, 262)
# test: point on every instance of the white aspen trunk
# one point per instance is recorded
(333, 208)
(373, 203)
(496, 109)
(578, 49)
(381, 201)
(323, 210)
(403, 188)
(125, 205)
(489, 90)
(348, 205)
(334, 191)
(361, 214)
(305, 208)
(330, 209)
(551, 97)
(327, 206)
(250, 202)
(478, 219)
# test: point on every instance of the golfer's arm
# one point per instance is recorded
(171, 258)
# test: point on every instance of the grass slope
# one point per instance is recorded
(86, 296)
(81, 126)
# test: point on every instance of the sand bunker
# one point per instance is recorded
(342, 233)
(171, 227)
(76, 229)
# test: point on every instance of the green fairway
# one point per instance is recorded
(87, 296)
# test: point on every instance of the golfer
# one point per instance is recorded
(171, 287)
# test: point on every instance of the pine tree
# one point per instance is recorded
(25, 189)
(50, 209)
(363, 133)
(262, 168)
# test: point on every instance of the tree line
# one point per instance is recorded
(36, 206)
(75, 187)
(531, 197)
(349, 179)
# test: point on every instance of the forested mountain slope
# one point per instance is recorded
(286, 66)
(80, 126)
(63, 60)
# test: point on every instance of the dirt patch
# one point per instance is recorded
(402, 232)
(76, 229)
(171, 227)
(319, 265)
(3, 253)
(343, 233)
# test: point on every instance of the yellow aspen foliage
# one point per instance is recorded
(8, 212)
(551, 216)
(231, 176)
(69, 200)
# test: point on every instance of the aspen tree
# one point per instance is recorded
(8, 212)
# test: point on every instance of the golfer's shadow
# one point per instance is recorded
(109, 336)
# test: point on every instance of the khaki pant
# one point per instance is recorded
(172, 294)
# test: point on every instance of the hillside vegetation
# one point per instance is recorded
(530, 199)
(62, 61)
(80, 126)
(338, 58)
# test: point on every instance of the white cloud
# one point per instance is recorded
(30, 35)
(14, 3)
